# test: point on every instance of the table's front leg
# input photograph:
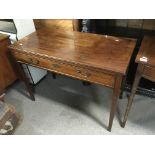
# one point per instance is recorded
(21, 75)
(133, 92)
(24, 78)
(115, 96)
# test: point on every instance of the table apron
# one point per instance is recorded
(149, 73)
(69, 69)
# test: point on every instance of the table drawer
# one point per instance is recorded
(149, 73)
(69, 69)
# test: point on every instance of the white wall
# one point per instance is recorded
(24, 27)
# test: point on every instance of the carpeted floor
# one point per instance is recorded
(65, 106)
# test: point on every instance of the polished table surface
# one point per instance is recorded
(147, 50)
(98, 51)
(96, 58)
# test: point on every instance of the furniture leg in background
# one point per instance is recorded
(133, 92)
(122, 87)
(146, 69)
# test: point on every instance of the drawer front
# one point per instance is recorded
(149, 73)
(68, 69)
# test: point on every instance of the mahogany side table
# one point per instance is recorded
(146, 69)
(89, 57)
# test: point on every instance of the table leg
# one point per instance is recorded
(115, 96)
(122, 87)
(133, 91)
(54, 75)
(21, 75)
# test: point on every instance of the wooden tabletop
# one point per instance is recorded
(99, 51)
(147, 50)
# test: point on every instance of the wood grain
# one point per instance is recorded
(149, 73)
(89, 57)
(147, 50)
(54, 23)
(97, 51)
(76, 71)
(7, 75)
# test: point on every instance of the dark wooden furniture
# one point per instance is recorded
(134, 28)
(9, 119)
(7, 75)
(90, 57)
(146, 68)
(65, 24)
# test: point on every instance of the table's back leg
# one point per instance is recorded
(115, 96)
(133, 91)
(54, 75)
(122, 87)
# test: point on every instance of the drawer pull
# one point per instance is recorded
(78, 71)
(35, 62)
(88, 74)
(83, 74)
(56, 65)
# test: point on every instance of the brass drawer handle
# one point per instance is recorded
(78, 71)
(86, 75)
(56, 65)
(35, 62)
